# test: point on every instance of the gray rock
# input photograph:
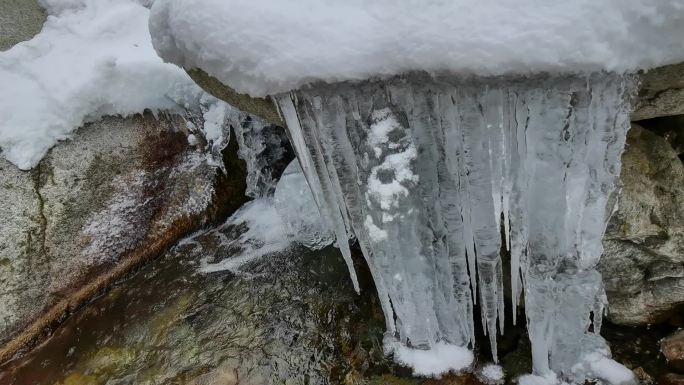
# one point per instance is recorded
(643, 261)
(661, 93)
(19, 20)
(119, 192)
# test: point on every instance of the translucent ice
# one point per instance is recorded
(429, 172)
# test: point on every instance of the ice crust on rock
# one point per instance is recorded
(427, 171)
(264, 47)
(92, 58)
(272, 224)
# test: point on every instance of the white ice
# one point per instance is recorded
(440, 359)
(275, 224)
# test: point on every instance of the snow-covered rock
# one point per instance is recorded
(91, 58)
(118, 193)
(263, 47)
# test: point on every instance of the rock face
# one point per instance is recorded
(673, 350)
(643, 261)
(120, 192)
(661, 93)
(19, 20)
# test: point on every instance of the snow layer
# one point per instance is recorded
(92, 58)
(439, 359)
(270, 46)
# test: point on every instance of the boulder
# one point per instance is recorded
(661, 93)
(643, 261)
(673, 350)
(117, 194)
(20, 20)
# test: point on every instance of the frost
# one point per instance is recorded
(426, 172)
(264, 47)
(295, 205)
(92, 58)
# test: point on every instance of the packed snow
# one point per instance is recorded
(440, 359)
(92, 58)
(491, 374)
(264, 47)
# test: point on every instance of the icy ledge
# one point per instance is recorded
(428, 172)
(265, 47)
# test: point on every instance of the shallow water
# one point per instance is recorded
(288, 318)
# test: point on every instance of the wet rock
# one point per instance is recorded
(672, 348)
(643, 260)
(643, 377)
(672, 379)
(119, 192)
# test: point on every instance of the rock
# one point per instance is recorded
(19, 20)
(661, 93)
(643, 377)
(672, 348)
(669, 127)
(672, 379)
(120, 192)
(643, 260)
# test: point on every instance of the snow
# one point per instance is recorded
(264, 47)
(492, 374)
(92, 58)
(440, 359)
(598, 365)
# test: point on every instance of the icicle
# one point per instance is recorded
(317, 178)
(426, 172)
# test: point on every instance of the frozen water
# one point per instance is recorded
(273, 224)
(428, 172)
(263, 146)
(295, 205)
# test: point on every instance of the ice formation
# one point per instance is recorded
(263, 147)
(270, 46)
(429, 172)
(271, 224)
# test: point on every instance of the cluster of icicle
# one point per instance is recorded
(442, 180)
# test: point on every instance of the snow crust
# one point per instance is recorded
(264, 47)
(439, 359)
(92, 58)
